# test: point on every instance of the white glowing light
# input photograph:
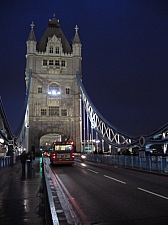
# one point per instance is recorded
(1, 140)
(54, 92)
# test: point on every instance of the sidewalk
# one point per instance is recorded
(20, 199)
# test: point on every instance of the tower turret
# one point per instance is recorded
(76, 43)
(31, 42)
(76, 47)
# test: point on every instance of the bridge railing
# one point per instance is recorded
(5, 161)
(150, 163)
(8, 160)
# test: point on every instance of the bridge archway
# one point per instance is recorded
(44, 139)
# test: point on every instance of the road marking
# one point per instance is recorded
(92, 171)
(115, 179)
(161, 196)
(80, 166)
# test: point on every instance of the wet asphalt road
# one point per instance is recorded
(111, 195)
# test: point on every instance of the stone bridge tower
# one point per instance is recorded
(54, 105)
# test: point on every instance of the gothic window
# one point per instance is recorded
(63, 112)
(40, 90)
(53, 111)
(67, 91)
(63, 63)
(43, 112)
(57, 62)
(51, 62)
(44, 62)
(51, 49)
(54, 89)
(57, 50)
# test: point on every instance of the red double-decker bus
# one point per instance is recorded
(62, 153)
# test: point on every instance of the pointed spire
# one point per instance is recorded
(76, 38)
(32, 35)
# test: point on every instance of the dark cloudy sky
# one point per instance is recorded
(124, 51)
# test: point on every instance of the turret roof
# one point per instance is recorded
(53, 29)
(76, 39)
(32, 35)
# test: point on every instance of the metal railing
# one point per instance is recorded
(8, 160)
(50, 211)
(5, 161)
(150, 163)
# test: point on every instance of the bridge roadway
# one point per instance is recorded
(101, 194)
(85, 193)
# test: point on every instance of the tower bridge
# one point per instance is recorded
(57, 106)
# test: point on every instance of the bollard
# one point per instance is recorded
(3, 162)
(163, 163)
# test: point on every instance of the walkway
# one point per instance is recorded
(20, 200)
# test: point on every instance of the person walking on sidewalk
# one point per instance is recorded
(28, 160)
(23, 158)
(32, 158)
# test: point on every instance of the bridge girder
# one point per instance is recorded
(113, 136)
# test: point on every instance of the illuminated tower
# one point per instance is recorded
(54, 105)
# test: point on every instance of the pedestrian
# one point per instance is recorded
(23, 158)
(28, 160)
(32, 159)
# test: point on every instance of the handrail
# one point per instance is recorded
(54, 216)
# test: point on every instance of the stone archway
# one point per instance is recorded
(47, 140)
(43, 139)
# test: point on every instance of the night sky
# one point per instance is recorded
(124, 51)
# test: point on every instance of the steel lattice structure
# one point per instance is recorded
(110, 134)
(113, 136)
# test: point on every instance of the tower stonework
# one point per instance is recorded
(54, 105)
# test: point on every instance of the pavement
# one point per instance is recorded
(21, 199)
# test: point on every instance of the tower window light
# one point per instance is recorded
(54, 89)
(54, 92)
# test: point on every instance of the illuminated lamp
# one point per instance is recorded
(71, 142)
(54, 92)
(1, 140)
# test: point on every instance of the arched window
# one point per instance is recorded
(54, 89)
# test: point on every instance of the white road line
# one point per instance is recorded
(115, 179)
(161, 196)
(80, 166)
(92, 171)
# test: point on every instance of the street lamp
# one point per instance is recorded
(1, 140)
